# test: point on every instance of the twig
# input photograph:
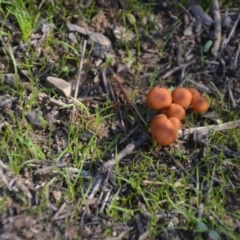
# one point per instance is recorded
(60, 210)
(166, 75)
(107, 86)
(96, 186)
(129, 148)
(179, 54)
(185, 10)
(201, 87)
(225, 43)
(182, 78)
(205, 130)
(47, 169)
(234, 104)
(105, 200)
(79, 76)
(217, 27)
(235, 62)
(169, 73)
(132, 105)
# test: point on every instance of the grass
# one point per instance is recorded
(196, 203)
(25, 16)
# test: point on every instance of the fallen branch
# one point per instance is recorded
(206, 130)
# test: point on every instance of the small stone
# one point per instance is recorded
(227, 22)
(199, 14)
(57, 195)
(188, 31)
(61, 86)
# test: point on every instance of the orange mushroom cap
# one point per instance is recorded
(195, 92)
(182, 96)
(159, 116)
(158, 98)
(200, 104)
(174, 110)
(164, 111)
(176, 122)
(163, 131)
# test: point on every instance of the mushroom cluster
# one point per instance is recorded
(164, 127)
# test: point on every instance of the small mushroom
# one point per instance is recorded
(174, 110)
(163, 131)
(200, 104)
(176, 122)
(195, 92)
(182, 96)
(158, 98)
(158, 117)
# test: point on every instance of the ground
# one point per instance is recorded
(85, 166)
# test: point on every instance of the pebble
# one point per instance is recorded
(61, 86)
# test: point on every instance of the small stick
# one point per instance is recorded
(60, 103)
(108, 86)
(235, 63)
(183, 78)
(185, 10)
(201, 87)
(234, 104)
(145, 182)
(132, 106)
(47, 169)
(169, 73)
(205, 130)
(225, 43)
(166, 75)
(127, 150)
(105, 200)
(179, 54)
(96, 187)
(79, 76)
(60, 210)
(217, 27)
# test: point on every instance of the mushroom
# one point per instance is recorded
(158, 98)
(200, 104)
(195, 92)
(174, 110)
(182, 96)
(176, 122)
(158, 117)
(163, 131)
